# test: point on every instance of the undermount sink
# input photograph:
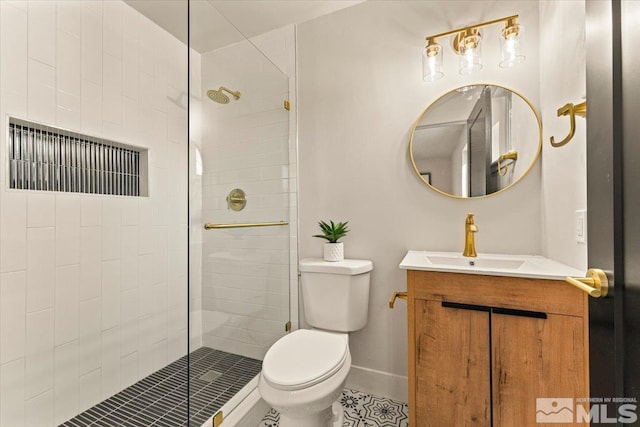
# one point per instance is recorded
(477, 262)
(532, 266)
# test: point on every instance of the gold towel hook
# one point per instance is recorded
(570, 110)
(511, 155)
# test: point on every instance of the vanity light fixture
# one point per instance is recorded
(466, 44)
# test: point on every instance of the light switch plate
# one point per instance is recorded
(581, 226)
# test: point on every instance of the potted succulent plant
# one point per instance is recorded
(332, 232)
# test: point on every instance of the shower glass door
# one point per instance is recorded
(239, 206)
(93, 276)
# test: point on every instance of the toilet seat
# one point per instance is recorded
(304, 358)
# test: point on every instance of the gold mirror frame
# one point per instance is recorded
(526, 172)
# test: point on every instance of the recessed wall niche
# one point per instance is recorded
(47, 158)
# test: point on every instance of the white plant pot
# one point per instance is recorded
(334, 251)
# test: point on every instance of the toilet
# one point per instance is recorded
(304, 372)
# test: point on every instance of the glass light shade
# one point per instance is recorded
(510, 46)
(432, 63)
(470, 54)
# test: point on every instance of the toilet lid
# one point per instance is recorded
(304, 358)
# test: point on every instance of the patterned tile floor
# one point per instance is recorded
(361, 410)
(160, 400)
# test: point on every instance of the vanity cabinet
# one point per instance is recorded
(483, 348)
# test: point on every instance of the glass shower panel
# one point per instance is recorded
(93, 287)
(239, 212)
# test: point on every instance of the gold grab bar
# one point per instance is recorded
(210, 226)
(401, 295)
(595, 284)
(572, 111)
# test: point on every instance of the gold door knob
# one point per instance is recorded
(401, 295)
(595, 284)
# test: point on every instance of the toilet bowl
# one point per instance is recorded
(304, 372)
(303, 375)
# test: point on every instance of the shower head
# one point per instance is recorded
(217, 96)
(221, 98)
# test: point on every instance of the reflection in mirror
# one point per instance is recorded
(476, 140)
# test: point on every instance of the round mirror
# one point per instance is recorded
(475, 141)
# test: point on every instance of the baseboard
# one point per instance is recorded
(380, 383)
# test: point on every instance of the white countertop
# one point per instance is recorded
(528, 266)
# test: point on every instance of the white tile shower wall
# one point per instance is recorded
(92, 288)
(245, 144)
(360, 91)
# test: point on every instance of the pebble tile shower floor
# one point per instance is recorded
(161, 398)
(361, 410)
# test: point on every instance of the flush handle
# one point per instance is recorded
(595, 284)
(401, 295)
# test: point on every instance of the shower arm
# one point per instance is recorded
(235, 94)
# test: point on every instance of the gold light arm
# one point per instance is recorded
(572, 111)
(210, 226)
(401, 295)
(595, 284)
(508, 19)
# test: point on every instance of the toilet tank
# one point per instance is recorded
(335, 295)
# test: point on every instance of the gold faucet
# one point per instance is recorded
(469, 238)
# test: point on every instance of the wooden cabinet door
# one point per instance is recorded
(535, 358)
(452, 363)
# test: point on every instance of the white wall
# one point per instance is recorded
(525, 136)
(456, 164)
(245, 144)
(564, 170)
(441, 176)
(92, 288)
(360, 90)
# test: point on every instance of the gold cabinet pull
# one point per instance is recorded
(401, 295)
(595, 284)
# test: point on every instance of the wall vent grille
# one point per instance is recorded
(45, 158)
